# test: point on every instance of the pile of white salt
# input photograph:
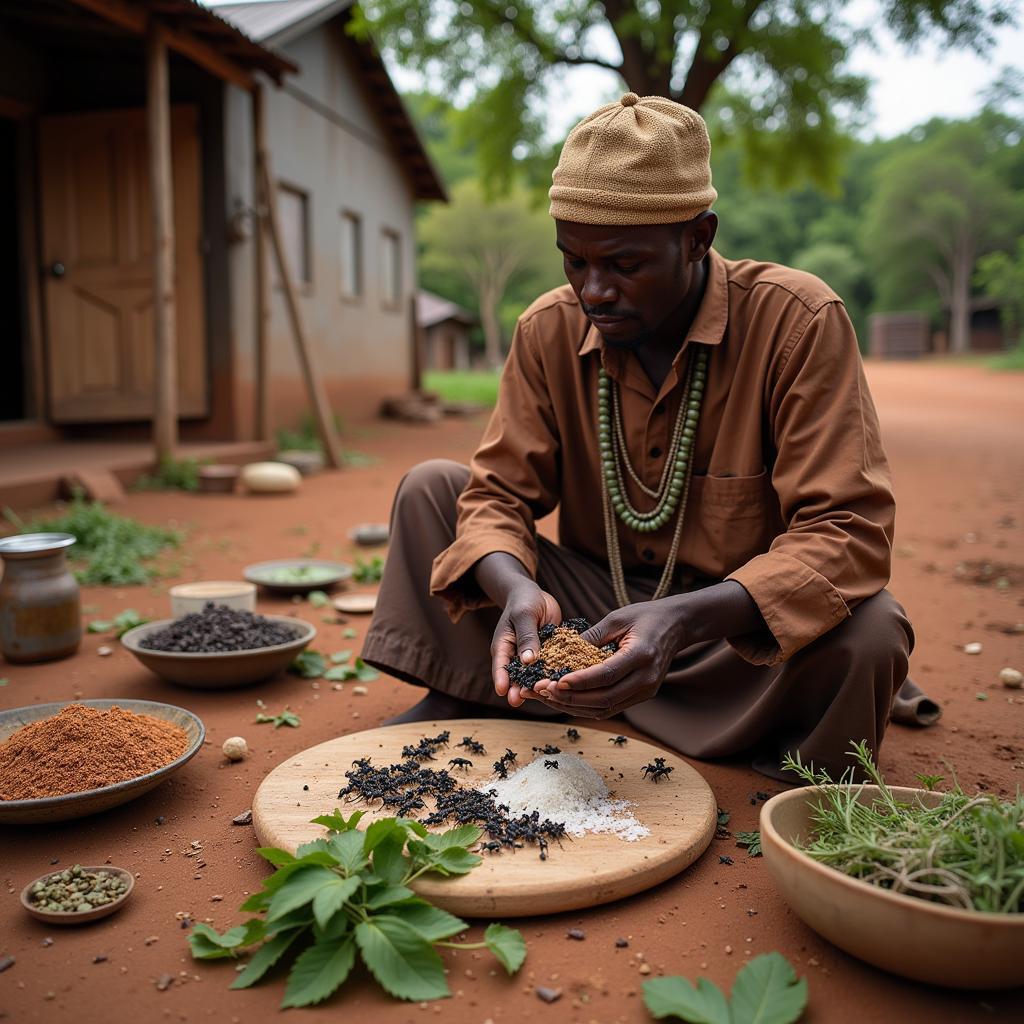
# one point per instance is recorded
(573, 793)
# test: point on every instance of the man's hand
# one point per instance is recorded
(649, 636)
(528, 608)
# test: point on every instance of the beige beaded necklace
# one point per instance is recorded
(673, 489)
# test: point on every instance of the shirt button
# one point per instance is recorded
(648, 554)
(655, 452)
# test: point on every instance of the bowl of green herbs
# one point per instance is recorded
(297, 575)
(925, 884)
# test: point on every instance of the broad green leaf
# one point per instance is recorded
(403, 962)
(335, 929)
(766, 991)
(275, 856)
(462, 835)
(260, 900)
(676, 997)
(266, 956)
(330, 899)
(340, 674)
(100, 626)
(297, 918)
(388, 895)
(431, 922)
(319, 972)
(414, 826)
(307, 850)
(507, 945)
(379, 831)
(340, 657)
(388, 861)
(308, 664)
(348, 850)
(337, 822)
(456, 861)
(299, 890)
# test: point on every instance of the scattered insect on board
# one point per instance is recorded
(619, 741)
(492, 846)
(657, 770)
(573, 735)
(500, 769)
(552, 764)
(461, 762)
(472, 745)
(548, 748)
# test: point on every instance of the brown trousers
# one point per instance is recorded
(712, 703)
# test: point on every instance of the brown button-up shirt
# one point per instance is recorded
(791, 492)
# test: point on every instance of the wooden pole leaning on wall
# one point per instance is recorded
(161, 191)
(416, 361)
(314, 386)
(262, 277)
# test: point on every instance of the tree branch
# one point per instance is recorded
(705, 71)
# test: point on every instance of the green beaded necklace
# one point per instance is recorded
(674, 487)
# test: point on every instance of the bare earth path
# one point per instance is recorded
(954, 437)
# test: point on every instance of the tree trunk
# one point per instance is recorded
(960, 300)
(492, 327)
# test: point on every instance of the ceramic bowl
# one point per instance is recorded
(262, 573)
(65, 917)
(219, 669)
(193, 597)
(78, 805)
(218, 479)
(902, 934)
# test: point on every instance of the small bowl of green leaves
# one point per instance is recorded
(297, 575)
(925, 884)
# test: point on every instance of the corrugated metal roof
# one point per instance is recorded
(273, 19)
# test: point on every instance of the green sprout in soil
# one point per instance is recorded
(965, 852)
(111, 550)
(766, 991)
(348, 894)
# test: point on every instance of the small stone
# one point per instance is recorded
(5, 962)
(645, 968)
(235, 748)
(245, 818)
(972, 648)
(151, 940)
(216, 899)
(575, 933)
(337, 686)
(1011, 677)
(164, 982)
(548, 995)
(360, 691)
(159, 819)
(99, 959)
(104, 651)
(621, 943)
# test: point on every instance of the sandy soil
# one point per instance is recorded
(953, 435)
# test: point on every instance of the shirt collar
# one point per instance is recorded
(708, 327)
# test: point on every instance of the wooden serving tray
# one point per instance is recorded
(680, 812)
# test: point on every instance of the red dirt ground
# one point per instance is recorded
(954, 437)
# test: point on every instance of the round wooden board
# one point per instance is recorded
(680, 812)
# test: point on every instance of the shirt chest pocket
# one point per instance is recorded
(731, 519)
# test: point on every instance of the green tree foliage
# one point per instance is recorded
(1001, 275)
(778, 68)
(939, 205)
(491, 247)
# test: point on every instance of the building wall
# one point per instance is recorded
(326, 142)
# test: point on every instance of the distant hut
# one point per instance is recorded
(445, 329)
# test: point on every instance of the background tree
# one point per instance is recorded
(1001, 275)
(489, 247)
(939, 205)
(779, 65)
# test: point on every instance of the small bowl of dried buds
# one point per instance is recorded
(78, 894)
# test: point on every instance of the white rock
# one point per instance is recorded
(972, 648)
(235, 748)
(270, 478)
(1012, 678)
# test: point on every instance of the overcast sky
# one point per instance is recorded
(907, 88)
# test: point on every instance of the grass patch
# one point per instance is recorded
(478, 386)
(1012, 360)
(172, 475)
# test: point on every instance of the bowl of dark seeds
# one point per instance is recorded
(219, 646)
(78, 894)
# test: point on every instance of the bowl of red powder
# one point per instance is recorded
(66, 760)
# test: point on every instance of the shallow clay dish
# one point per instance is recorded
(355, 604)
(78, 805)
(262, 574)
(219, 669)
(902, 934)
(63, 917)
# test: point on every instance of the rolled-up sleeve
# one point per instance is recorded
(513, 480)
(834, 490)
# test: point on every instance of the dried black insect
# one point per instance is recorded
(491, 846)
(500, 769)
(572, 734)
(509, 755)
(472, 745)
(619, 741)
(657, 770)
(550, 764)
(461, 762)
(548, 748)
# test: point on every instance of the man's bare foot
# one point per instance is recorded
(437, 706)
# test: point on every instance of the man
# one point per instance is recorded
(725, 514)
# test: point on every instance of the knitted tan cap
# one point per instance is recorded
(636, 161)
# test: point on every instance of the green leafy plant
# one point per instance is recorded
(286, 717)
(368, 572)
(317, 598)
(766, 991)
(963, 852)
(751, 840)
(348, 895)
(120, 624)
(308, 664)
(172, 475)
(111, 549)
(349, 633)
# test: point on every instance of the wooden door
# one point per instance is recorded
(97, 266)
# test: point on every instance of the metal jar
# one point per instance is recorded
(40, 608)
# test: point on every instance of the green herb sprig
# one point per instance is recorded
(120, 624)
(751, 840)
(348, 895)
(286, 717)
(766, 991)
(965, 852)
(368, 572)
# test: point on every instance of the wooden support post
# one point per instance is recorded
(416, 342)
(262, 278)
(314, 386)
(161, 193)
